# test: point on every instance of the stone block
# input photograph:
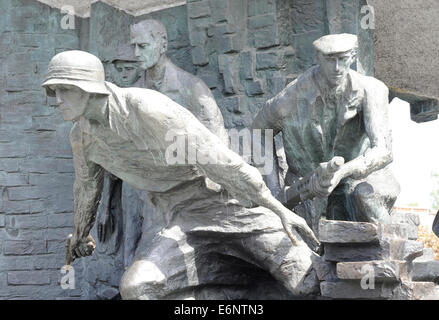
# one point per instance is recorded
(58, 233)
(198, 9)
(199, 56)
(258, 22)
(267, 60)
(392, 230)
(353, 290)
(197, 37)
(49, 261)
(425, 271)
(227, 65)
(13, 179)
(220, 11)
(233, 104)
(229, 43)
(266, 37)
(24, 193)
(331, 231)
(356, 252)
(24, 247)
(12, 150)
(2, 221)
(382, 270)
(15, 263)
(60, 220)
(9, 165)
(28, 278)
(405, 217)
(27, 222)
(247, 65)
(260, 7)
(412, 232)
(254, 88)
(209, 78)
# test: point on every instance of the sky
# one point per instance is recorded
(415, 155)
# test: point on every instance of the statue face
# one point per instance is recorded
(335, 67)
(72, 101)
(147, 49)
(126, 73)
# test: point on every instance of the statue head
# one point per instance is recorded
(125, 67)
(335, 54)
(150, 41)
(72, 77)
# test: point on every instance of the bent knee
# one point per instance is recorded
(366, 190)
(143, 280)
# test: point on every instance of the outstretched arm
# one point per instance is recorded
(213, 157)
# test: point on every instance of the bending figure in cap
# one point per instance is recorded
(336, 136)
(130, 132)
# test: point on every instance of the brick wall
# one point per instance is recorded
(36, 171)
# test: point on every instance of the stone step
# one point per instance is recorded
(425, 271)
(343, 289)
(356, 252)
(331, 231)
(378, 270)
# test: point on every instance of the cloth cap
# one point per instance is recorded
(77, 68)
(124, 53)
(336, 43)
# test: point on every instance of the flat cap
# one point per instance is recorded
(336, 43)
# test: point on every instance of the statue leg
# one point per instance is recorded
(372, 199)
(165, 266)
(291, 265)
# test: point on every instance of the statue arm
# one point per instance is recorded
(87, 191)
(234, 174)
(214, 159)
(375, 115)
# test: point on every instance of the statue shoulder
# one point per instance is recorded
(75, 134)
(370, 84)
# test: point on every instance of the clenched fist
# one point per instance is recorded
(82, 247)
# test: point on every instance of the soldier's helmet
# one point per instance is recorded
(77, 68)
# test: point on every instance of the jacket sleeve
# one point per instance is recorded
(87, 188)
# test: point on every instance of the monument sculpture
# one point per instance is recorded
(336, 136)
(148, 54)
(124, 131)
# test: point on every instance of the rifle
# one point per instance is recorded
(300, 191)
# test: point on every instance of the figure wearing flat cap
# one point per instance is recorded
(336, 136)
(209, 239)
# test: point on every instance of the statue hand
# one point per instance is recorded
(327, 177)
(105, 225)
(82, 247)
(291, 220)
